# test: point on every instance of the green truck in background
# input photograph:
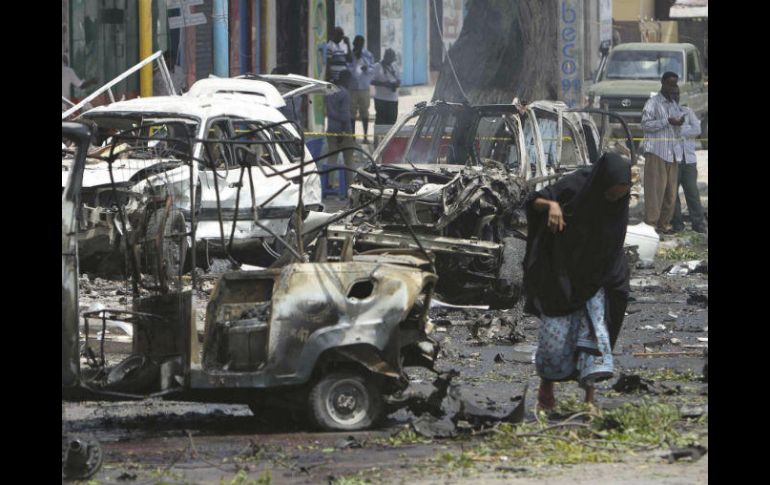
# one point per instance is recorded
(631, 73)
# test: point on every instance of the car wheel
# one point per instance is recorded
(166, 249)
(345, 401)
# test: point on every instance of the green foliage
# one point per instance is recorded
(406, 436)
(242, 478)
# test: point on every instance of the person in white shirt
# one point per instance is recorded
(688, 171)
(386, 82)
(337, 54)
(68, 79)
(362, 70)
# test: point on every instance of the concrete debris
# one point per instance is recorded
(658, 327)
(634, 384)
(688, 267)
(490, 327)
(676, 341)
(693, 453)
(445, 413)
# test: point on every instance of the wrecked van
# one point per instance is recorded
(148, 169)
(328, 338)
(458, 175)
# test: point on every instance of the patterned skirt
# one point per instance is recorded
(568, 349)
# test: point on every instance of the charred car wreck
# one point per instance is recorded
(147, 169)
(459, 175)
(327, 338)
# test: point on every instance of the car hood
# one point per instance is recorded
(628, 87)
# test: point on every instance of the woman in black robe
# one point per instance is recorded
(576, 274)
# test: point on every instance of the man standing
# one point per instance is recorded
(362, 70)
(337, 54)
(661, 121)
(688, 171)
(386, 83)
(340, 132)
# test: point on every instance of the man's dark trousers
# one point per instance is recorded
(688, 179)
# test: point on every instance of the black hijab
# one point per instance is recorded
(564, 270)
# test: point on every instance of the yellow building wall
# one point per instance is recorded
(630, 10)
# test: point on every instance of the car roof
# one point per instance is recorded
(653, 46)
(206, 106)
(259, 91)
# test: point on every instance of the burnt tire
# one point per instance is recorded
(345, 401)
(166, 260)
(510, 279)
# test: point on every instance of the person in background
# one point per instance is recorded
(362, 70)
(661, 122)
(576, 275)
(386, 82)
(688, 171)
(338, 126)
(69, 79)
(337, 54)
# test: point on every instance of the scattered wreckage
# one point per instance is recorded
(456, 177)
(141, 173)
(330, 338)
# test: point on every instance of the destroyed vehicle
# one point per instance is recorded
(459, 175)
(149, 171)
(328, 338)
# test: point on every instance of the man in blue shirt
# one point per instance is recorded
(339, 128)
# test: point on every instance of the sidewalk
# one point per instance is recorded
(408, 97)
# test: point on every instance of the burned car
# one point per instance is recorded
(328, 338)
(458, 175)
(148, 169)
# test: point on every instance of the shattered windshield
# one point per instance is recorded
(165, 133)
(496, 140)
(643, 64)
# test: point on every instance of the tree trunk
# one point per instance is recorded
(506, 49)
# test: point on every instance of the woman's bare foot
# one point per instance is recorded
(545, 398)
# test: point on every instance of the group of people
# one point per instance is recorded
(353, 70)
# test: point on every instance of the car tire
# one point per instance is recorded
(345, 401)
(171, 253)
